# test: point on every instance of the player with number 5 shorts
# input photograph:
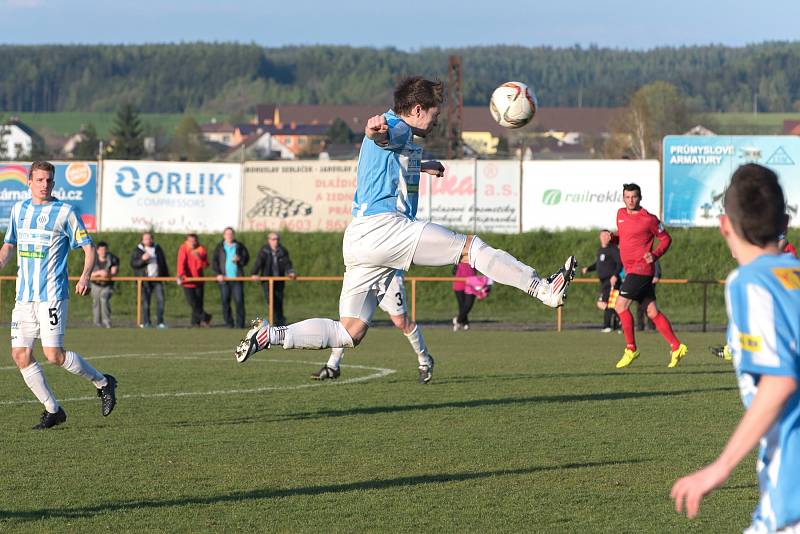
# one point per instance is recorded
(43, 229)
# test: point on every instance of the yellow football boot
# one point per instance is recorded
(627, 358)
(677, 355)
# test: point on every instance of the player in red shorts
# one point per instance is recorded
(636, 229)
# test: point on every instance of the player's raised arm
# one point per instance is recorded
(377, 130)
(82, 287)
(773, 393)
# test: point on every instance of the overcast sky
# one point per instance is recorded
(409, 25)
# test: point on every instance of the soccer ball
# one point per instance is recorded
(513, 105)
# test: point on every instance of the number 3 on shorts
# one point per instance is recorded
(53, 312)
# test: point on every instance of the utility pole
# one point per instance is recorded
(455, 107)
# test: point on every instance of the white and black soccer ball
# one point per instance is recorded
(513, 105)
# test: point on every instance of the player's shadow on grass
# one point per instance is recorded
(260, 494)
(465, 404)
(540, 376)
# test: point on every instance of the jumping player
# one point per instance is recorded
(393, 303)
(762, 298)
(636, 229)
(384, 234)
(43, 229)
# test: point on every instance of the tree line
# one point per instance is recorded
(233, 78)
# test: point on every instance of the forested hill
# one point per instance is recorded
(235, 77)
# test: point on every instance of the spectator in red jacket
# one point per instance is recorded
(786, 247)
(192, 259)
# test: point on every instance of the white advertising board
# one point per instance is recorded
(584, 194)
(170, 196)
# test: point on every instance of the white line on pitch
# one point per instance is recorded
(380, 373)
(135, 355)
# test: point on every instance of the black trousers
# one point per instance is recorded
(465, 303)
(277, 302)
(194, 296)
(235, 291)
(148, 289)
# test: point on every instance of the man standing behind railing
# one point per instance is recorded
(192, 259)
(228, 259)
(148, 260)
(273, 260)
(106, 266)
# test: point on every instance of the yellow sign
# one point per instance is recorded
(789, 277)
(750, 343)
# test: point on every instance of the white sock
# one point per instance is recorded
(418, 344)
(501, 266)
(75, 364)
(36, 381)
(316, 334)
(336, 357)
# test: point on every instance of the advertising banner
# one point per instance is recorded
(170, 196)
(76, 183)
(305, 196)
(583, 194)
(697, 170)
(473, 196)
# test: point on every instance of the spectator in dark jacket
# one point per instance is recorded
(273, 260)
(106, 267)
(608, 265)
(148, 260)
(228, 259)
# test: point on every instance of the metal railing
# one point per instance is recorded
(412, 280)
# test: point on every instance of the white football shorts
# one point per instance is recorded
(394, 301)
(44, 320)
(374, 248)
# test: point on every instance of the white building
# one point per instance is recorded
(17, 140)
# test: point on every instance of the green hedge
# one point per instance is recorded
(698, 254)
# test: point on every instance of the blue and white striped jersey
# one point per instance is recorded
(44, 235)
(763, 303)
(388, 176)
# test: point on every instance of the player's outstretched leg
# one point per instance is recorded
(440, 246)
(309, 334)
(330, 371)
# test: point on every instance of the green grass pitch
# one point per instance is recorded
(518, 432)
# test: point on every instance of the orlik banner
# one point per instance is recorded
(697, 169)
(76, 183)
(303, 196)
(584, 194)
(170, 196)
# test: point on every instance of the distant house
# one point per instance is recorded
(791, 127)
(218, 132)
(480, 132)
(265, 114)
(281, 141)
(18, 140)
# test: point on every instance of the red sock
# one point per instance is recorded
(665, 329)
(626, 319)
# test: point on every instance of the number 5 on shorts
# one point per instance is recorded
(53, 316)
